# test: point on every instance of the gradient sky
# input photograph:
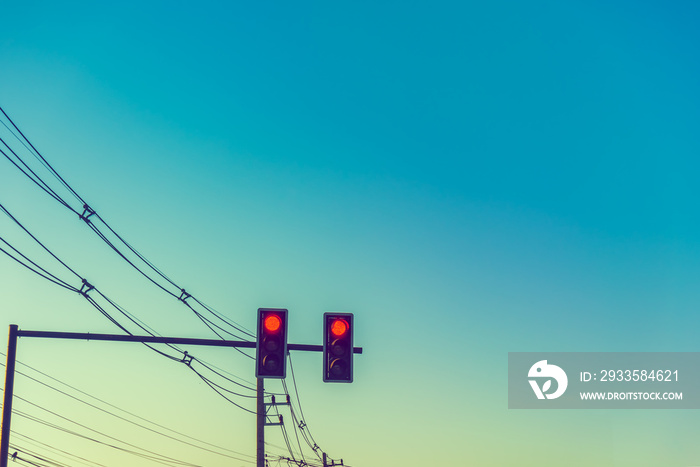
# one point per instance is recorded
(468, 179)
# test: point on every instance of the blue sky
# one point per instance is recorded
(468, 179)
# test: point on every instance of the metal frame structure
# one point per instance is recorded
(15, 333)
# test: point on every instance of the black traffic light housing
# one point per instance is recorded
(337, 347)
(271, 344)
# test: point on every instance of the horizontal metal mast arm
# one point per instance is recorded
(162, 340)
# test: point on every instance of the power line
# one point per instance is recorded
(87, 287)
(127, 420)
(216, 390)
(286, 438)
(88, 212)
(34, 177)
(87, 215)
(45, 274)
(146, 454)
(87, 438)
(296, 424)
(37, 153)
(211, 368)
(296, 433)
(299, 422)
(46, 461)
(296, 392)
(80, 460)
(118, 408)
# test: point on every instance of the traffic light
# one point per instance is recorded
(337, 347)
(271, 345)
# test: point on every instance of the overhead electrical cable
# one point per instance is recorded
(45, 461)
(60, 452)
(297, 425)
(14, 219)
(88, 212)
(216, 390)
(296, 434)
(209, 381)
(286, 438)
(35, 178)
(45, 162)
(45, 274)
(150, 454)
(212, 369)
(85, 290)
(73, 388)
(126, 419)
(85, 437)
(21, 141)
(17, 457)
(88, 215)
(301, 411)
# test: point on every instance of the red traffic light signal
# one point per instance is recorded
(337, 347)
(272, 323)
(271, 343)
(338, 327)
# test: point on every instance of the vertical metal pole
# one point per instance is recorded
(7, 401)
(325, 464)
(261, 423)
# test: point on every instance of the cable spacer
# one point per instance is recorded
(86, 210)
(187, 359)
(85, 288)
(183, 296)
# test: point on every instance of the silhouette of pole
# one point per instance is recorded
(7, 401)
(261, 423)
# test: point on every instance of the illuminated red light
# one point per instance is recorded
(339, 327)
(272, 323)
